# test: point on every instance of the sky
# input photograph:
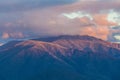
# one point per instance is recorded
(23, 19)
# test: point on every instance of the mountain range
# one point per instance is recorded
(66, 57)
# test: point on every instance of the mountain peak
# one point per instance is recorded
(68, 37)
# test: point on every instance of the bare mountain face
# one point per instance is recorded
(60, 58)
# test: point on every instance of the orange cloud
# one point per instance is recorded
(99, 32)
(7, 35)
(55, 23)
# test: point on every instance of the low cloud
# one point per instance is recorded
(29, 19)
(15, 35)
(65, 23)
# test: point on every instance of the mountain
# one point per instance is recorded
(63, 57)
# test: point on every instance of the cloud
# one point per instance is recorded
(49, 22)
(114, 16)
(5, 36)
(56, 23)
(93, 6)
(117, 37)
(99, 32)
(96, 25)
(22, 5)
(78, 14)
(16, 35)
(33, 18)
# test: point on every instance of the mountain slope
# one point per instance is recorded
(60, 58)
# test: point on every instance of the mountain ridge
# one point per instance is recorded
(63, 58)
(64, 43)
(54, 38)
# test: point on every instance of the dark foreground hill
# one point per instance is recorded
(60, 58)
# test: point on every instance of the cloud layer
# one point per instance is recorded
(21, 19)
